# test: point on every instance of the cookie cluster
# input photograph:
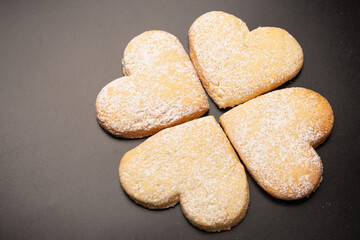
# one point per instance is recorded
(192, 161)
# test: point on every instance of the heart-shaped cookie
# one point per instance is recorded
(236, 65)
(274, 135)
(193, 163)
(160, 89)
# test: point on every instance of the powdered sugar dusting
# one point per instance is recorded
(274, 135)
(160, 88)
(194, 163)
(236, 65)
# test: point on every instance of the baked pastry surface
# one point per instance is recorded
(236, 65)
(194, 164)
(275, 135)
(160, 89)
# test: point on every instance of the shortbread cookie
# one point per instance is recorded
(274, 135)
(160, 89)
(236, 65)
(193, 163)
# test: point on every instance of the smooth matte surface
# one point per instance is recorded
(59, 169)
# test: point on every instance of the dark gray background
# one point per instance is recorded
(59, 169)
